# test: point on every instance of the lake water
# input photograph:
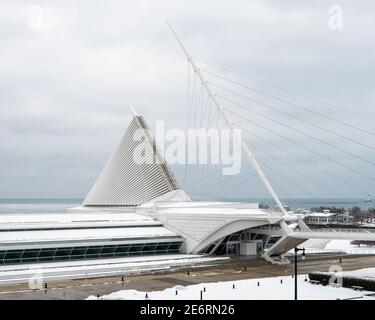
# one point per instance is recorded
(37, 205)
(60, 205)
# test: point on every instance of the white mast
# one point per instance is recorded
(249, 155)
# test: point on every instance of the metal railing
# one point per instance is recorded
(268, 227)
(359, 251)
(340, 230)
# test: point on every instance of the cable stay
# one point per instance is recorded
(188, 97)
(204, 110)
(301, 145)
(248, 177)
(281, 100)
(227, 120)
(304, 96)
(325, 171)
(200, 115)
(293, 169)
(288, 180)
(296, 117)
(294, 129)
(313, 165)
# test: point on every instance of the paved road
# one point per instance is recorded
(235, 270)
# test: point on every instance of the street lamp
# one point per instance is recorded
(296, 250)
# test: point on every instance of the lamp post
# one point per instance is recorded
(296, 250)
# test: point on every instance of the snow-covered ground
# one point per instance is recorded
(336, 246)
(63, 270)
(346, 247)
(277, 288)
(368, 273)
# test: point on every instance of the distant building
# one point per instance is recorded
(320, 218)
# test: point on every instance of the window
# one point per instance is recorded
(30, 256)
(174, 246)
(149, 247)
(2, 254)
(13, 256)
(136, 247)
(107, 251)
(122, 250)
(63, 253)
(80, 253)
(93, 252)
(162, 246)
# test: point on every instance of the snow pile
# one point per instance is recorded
(368, 273)
(277, 288)
(347, 247)
(335, 246)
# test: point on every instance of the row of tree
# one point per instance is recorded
(356, 213)
(352, 210)
(331, 209)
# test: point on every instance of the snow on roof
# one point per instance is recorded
(60, 220)
(321, 214)
(206, 210)
(206, 204)
(36, 237)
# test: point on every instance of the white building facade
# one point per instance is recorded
(139, 210)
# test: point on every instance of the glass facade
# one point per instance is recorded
(87, 252)
(228, 246)
(268, 241)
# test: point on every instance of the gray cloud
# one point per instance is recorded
(65, 87)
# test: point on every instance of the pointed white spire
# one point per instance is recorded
(124, 181)
(132, 109)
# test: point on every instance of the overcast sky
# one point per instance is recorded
(69, 68)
